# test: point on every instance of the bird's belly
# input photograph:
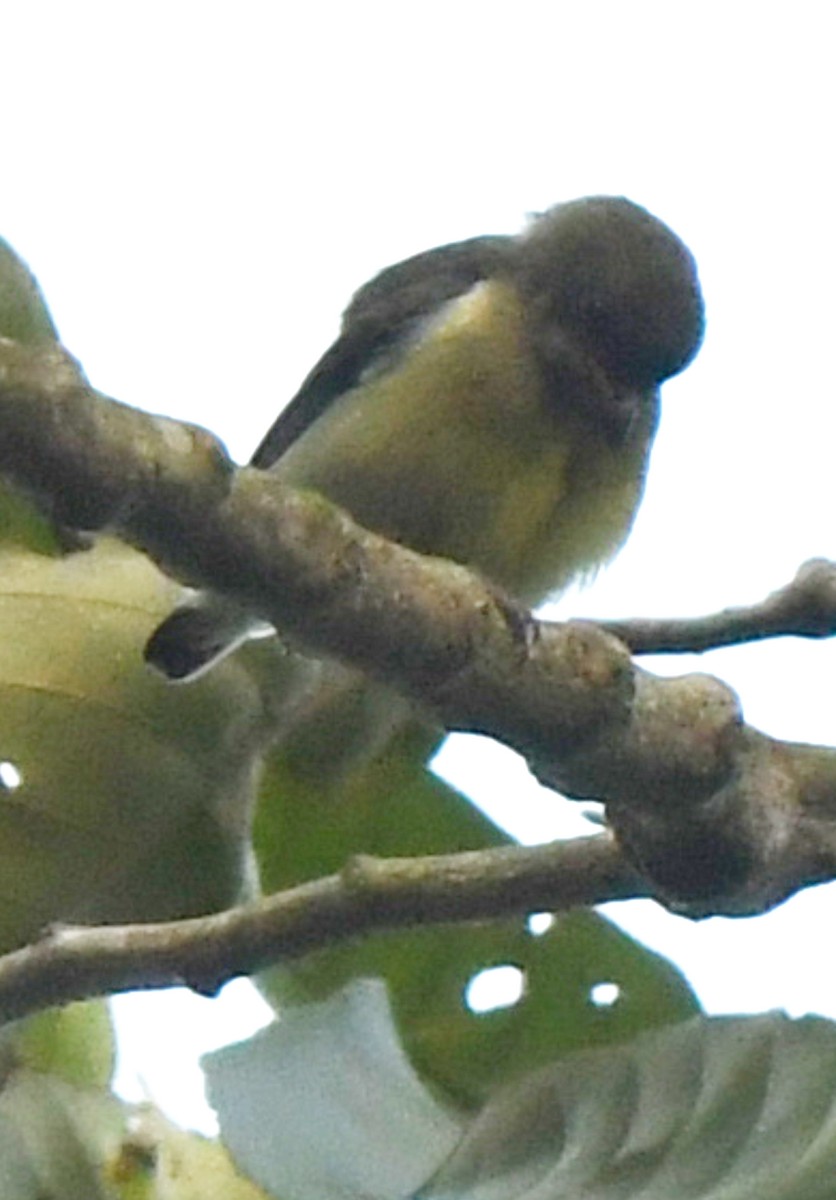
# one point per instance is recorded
(456, 451)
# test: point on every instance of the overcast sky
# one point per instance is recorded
(200, 186)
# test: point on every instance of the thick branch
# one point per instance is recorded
(717, 816)
(74, 963)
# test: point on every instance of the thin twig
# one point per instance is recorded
(77, 962)
(805, 607)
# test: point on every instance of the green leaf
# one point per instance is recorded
(193, 1168)
(471, 1053)
(158, 1161)
(25, 318)
(23, 525)
(24, 315)
(713, 1109)
(468, 1053)
(75, 1042)
(310, 821)
(324, 1104)
(395, 805)
(122, 798)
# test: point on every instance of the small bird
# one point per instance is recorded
(492, 401)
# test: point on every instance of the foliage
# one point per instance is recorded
(125, 798)
(731, 1107)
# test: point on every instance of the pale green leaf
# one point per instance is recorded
(75, 1042)
(158, 1161)
(709, 1109)
(324, 1105)
(55, 1139)
(712, 1109)
(121, 797)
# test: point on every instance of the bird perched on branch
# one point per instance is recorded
(492, 401)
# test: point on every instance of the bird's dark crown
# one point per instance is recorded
(620, 280)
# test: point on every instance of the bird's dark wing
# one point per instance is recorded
(381, 315)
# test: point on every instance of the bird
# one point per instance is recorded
(492, 401)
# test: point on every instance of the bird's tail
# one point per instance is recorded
(196, 636)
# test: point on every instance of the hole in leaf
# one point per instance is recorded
(604, 995)
(539, 923)
(495, 987)
(10, 776)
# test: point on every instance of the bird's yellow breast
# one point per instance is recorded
(457, 449)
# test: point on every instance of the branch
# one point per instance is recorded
(805, 607)
(370, 895)
(717, 817)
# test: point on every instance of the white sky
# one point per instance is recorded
(200, 186)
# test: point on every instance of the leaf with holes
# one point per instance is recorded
(583, 982)
(470, 1053)
(397, 806)
(123, 797)
(313, 818)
